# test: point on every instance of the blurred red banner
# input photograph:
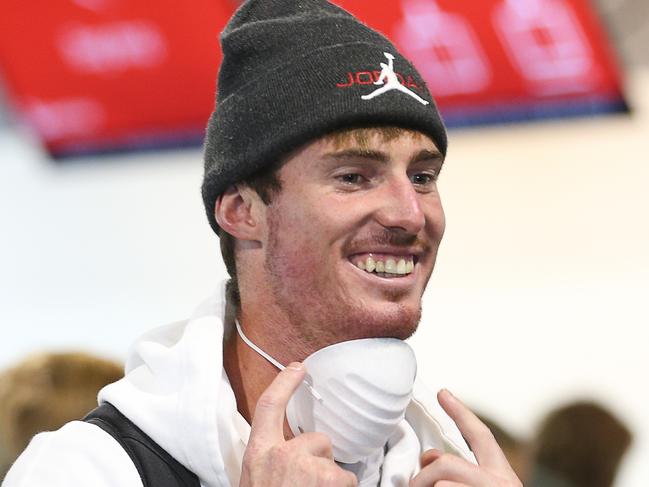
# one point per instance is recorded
(96, 75)
(503, 60)
(103, 75)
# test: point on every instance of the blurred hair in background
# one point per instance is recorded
(515, 448)
(578, 445)
(46, 390)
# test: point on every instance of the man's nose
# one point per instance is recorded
(400, 206)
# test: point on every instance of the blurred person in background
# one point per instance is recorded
(515, 448)
(578, 445)
(321, 165)
(45, 391)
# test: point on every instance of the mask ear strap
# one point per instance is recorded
(256, 348)
(248, 342)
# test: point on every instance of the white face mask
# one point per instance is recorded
(355, 392)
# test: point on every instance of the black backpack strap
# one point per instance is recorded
(156, 467)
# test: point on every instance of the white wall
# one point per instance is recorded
(539, 294)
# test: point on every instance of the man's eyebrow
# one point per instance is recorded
(428, 155)
(375, 155)
(358, 153)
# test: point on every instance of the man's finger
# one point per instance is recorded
(450, 468)
(268, 420)
(449, 483)
(316, 444)
(476, 433)
(333, 474)
(429, 456)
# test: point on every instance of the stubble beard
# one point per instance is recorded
(320, 317)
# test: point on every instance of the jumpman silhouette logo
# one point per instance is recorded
(393, 83)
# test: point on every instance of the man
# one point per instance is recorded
(327, 207)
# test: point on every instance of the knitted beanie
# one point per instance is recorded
(295, 70)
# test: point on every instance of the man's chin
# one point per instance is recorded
(390, 320)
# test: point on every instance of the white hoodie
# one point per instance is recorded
(177, 392)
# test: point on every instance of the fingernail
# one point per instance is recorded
(295, 366)
(447, 392)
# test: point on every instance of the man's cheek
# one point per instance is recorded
(296, 258)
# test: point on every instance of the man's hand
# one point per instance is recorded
(270, 460)
(445, 470)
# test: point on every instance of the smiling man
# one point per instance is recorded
(347, 243)
(324, 195)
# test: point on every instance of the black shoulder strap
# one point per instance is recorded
(156, 467)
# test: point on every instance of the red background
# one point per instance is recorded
(125, 100)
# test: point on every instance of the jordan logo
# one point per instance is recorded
(390, 81)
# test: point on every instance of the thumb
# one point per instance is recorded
(268, 420)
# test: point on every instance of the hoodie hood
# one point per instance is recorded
(176, 391)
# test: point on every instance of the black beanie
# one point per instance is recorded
(295, 70)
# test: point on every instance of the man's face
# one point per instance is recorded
(352, 237)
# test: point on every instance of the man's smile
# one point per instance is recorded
(385, 265)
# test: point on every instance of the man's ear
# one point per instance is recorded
(236, 212)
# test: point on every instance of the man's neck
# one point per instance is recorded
(248, 375)
(248, 372)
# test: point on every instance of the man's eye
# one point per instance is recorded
(352, 178)
(423, 178)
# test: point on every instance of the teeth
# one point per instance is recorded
(390, 266)
(370, 265)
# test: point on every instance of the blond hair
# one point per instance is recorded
(46, 390)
